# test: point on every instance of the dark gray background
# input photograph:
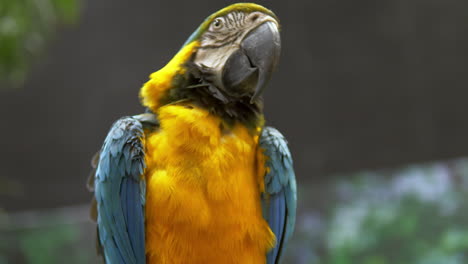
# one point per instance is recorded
(361, 84)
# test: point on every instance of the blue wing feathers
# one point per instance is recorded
(119, 194)
(276, 220)
(279, 199)
(130, 198)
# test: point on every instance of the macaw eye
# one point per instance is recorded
(254, 16)
(217, 24)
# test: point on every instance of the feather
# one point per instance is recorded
(279, 199)
(119, 191)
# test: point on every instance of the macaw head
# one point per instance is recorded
(228, 61)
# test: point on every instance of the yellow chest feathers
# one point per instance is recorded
(203, 192)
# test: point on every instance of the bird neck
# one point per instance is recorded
(181, 80)
(202, 93)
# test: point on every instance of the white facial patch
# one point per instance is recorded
(223, 38)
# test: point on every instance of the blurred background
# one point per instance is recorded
(370, 94)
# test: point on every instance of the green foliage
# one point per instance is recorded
(400, 222)
(415, 215)
(40, 246)
(47, 237)
(25, 26)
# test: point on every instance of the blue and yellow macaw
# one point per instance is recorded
(199, 179)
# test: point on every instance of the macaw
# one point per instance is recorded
(199, 178)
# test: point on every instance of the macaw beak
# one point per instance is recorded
(249, 69)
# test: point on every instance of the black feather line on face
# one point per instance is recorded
(197, 86)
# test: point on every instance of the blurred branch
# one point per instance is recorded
(25, 27)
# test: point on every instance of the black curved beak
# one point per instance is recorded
(249, 69)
